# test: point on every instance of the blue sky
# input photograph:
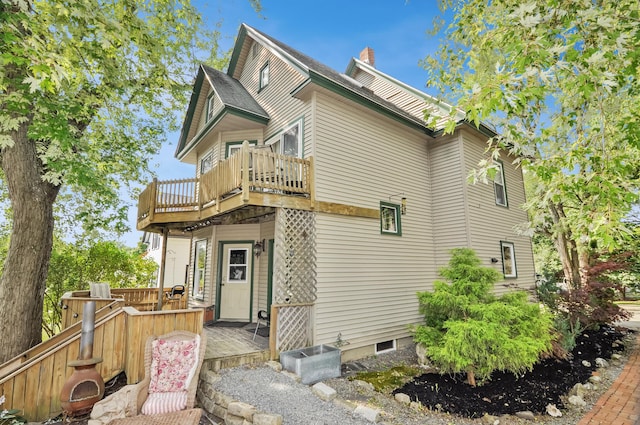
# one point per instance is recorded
(330, 31)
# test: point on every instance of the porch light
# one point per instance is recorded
(258, 248)
(403, 202)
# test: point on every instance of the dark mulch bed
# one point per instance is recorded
(506, 393)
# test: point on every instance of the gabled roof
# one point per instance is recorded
(437, 107)
(323, 76)
(235, 99)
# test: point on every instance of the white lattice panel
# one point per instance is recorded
(295, 261)
(294, 327)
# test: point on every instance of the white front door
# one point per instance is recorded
(235, 281)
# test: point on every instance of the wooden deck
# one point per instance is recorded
(251, 177)
(142, 299)
(234, 346)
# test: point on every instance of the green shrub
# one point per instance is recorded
(468, 329)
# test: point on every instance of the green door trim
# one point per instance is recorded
(221, 245)
(270, 276)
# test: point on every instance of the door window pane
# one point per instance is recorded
(238, 265)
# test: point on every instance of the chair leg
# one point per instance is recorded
(256, 331)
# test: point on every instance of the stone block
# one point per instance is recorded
(222, 399)
(244, 410)
(118, 405)
(218, 411)
(267, 419)
(230, 419)
(209, 377)
(402, 398)
(526, 415)
(277, 366)
(323, 391)
(369, 413)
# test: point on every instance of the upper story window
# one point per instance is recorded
(264, 76)
(289, 142)
(499, 185)
(233, 147)
(255, 49)
(390, 219)
(508, 253)
(206, 163)
(211, 99)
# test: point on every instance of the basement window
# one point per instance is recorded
(386, 346)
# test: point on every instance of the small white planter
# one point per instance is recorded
(312, 364)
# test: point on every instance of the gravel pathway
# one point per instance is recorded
(273, 392)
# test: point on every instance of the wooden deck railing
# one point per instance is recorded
(249, 170)
(32, 381)
(142, 299)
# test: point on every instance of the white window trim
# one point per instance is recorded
(196, 294)
(245, 265)
(280, 138)
(512, 260)
(387, 350)
(211, 100)
(396, 211)
(502, 185)
(264, 82)
(232, 147)
(209, 157)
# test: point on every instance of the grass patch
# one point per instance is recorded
(390, 379)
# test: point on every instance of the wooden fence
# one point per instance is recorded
(142, 299)
(32, 381)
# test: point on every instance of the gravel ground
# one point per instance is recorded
(273, 392)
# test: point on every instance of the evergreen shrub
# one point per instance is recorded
(469, 329)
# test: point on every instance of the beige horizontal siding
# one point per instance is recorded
(448, 193)
(367, 282)
(491, 223)
(276, 98)
(261, 277)
(362, 159)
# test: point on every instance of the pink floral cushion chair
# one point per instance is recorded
(172, 367)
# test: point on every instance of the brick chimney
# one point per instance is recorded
(366, 56)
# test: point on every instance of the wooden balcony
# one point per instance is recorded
(252, 177)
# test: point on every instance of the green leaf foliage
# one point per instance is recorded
(559, 81)
(74, 266)
(469, 329)
(98, 85)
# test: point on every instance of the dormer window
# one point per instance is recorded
(210, 105)
(264, 76)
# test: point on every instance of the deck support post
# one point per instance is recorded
(165, 237)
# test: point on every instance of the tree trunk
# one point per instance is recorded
(471, 378)
(566, 246)
(24, 276)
